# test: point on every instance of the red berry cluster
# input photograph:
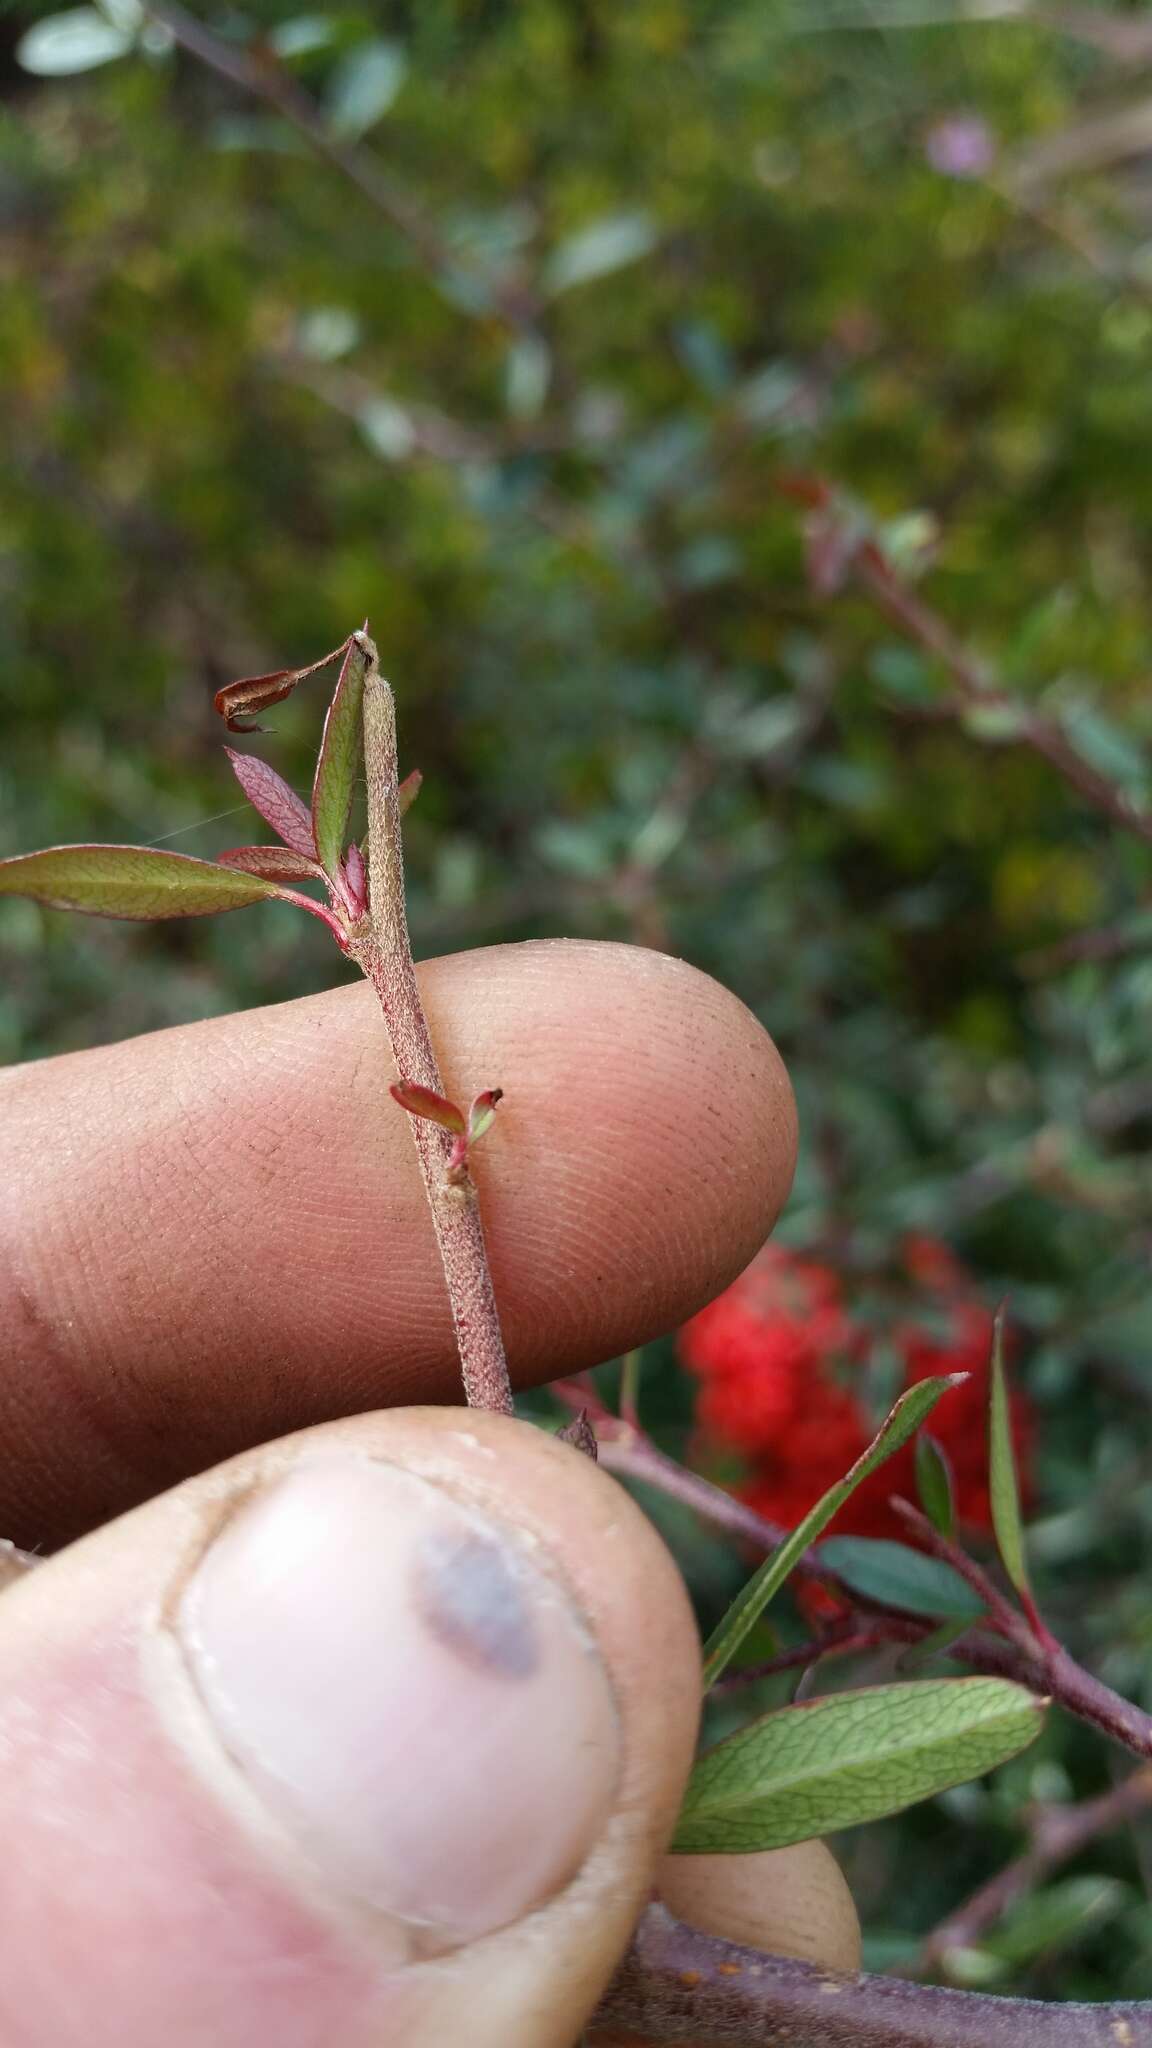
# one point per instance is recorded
(780, 1361)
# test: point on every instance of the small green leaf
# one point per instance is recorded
(804, 1771)
(77, 40)
(597, 250)
(934, 1483)
(338, 763)
(900, 1577)
(482, 1112)
(1061, 1914)
(130, 881)
(364, 85)
(1003, 1483)
(905, 1418)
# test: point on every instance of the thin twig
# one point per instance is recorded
(978, 690)
(1056, 1833)
(1013, 1653)
(382, 950)
(264, 77)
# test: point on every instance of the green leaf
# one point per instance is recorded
(363, 87)
(77, 40)
(1003, 1482)
(904, 1420)
(482, 1112)
(900, 1577)
(130, 881)
(338, 763)
(934, 1483)
(600, 248)
(804, 1771)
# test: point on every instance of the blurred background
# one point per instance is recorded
(736, 418)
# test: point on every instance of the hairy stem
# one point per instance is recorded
(676, 1984)
(381, 947)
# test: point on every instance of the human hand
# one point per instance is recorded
(374, 1734)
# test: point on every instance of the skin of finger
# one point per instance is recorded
(145, 1898)
(218, 1233)
(787, 1902)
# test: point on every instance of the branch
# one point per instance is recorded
(1056, 1834)
(978, 690)
(1014, 1652)
(676, 1984)
(265, 79)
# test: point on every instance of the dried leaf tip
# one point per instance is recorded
(580, 1434)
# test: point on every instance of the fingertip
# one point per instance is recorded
(788, 1902)
(388, 1723)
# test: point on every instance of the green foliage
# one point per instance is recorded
(900, 1577)
(746, 1610)
(652, 259)
(805, 1771)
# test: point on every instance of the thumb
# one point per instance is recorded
(372, 1735)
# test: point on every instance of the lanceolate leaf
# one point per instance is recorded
(275, 863)
(130, 881)
(934, 1483)
(807, 1770)
(1003, 1483)
(338, 763)
(409, 790)
(277, 803)
(749, 1604)
(900, 1577)
(424, 1102)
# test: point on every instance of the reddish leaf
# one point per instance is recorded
(356, 877)
(131, 881)
(275, 863)
(482, 1112)
(426, 1103)
(278, 805)
(409, 790)
(255, 693)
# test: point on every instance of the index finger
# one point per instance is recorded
(218, 1233)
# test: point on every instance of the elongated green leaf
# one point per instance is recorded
(934, 1483)
(834, 1763)
(130, 881)
(1003, 1483)
(905, 1418)
(338, 764)
(900, 1577)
